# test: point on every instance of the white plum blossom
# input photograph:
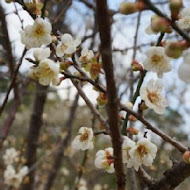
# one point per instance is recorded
(23, 172)
(184, 68)
(157, 61)
(84, 140)
(143, 153)
(67, 45)
(86, 55)
(104, 160)
(37, 34)
(184, 21)
(46, 72)
(151, 94)
(10, 155)
(41, 53)
(126, 146)
(14, 178)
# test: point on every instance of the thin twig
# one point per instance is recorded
(157, 131)
(89, 104)
(12, 82)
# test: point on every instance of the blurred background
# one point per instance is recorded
(79, 19)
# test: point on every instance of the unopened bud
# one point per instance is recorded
(136, 66)
(128, 8)
(175, 49)
(160, 24)
(186, 156)
(101, 126)
(175, 6)
(102, 99)
(132, 131)
(132, 118)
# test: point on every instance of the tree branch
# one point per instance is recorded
(172, 177)
(12, 83)
(182, 148)
(63, 144)
(34, 131)
(103, 21)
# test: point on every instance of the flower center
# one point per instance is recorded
(142, 150)
(153, 97)
(84, 136)
(156, 59)
(63, 47)
(39, 31)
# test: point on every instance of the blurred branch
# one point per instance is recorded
(103, 20)
(8, 48)
(12, 83)
(82, 79)
(5, 128)
(34, 131)
(145, 177)
(22, 3)
(93, 7)
(59, 154)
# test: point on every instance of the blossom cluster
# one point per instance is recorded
(52, 60)
(13, 177)
(134, 154)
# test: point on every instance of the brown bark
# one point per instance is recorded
(63, 144)
(103, 21)
(34, 132)
(172, 177)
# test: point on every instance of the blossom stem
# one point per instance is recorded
(136, 94)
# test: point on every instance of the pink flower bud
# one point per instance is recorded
(132, 118)
(136, 66)
(132, 131)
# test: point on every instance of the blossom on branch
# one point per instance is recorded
(84, 140)
(157, 61)
(152, 96)
(37, 34)
(104, 160)
(14, 178)
(86, 55)
(184, 21)
(143, 153)
(67, 45)
(10, 156)
(127, 145)
(47, 72)
(41, 53)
